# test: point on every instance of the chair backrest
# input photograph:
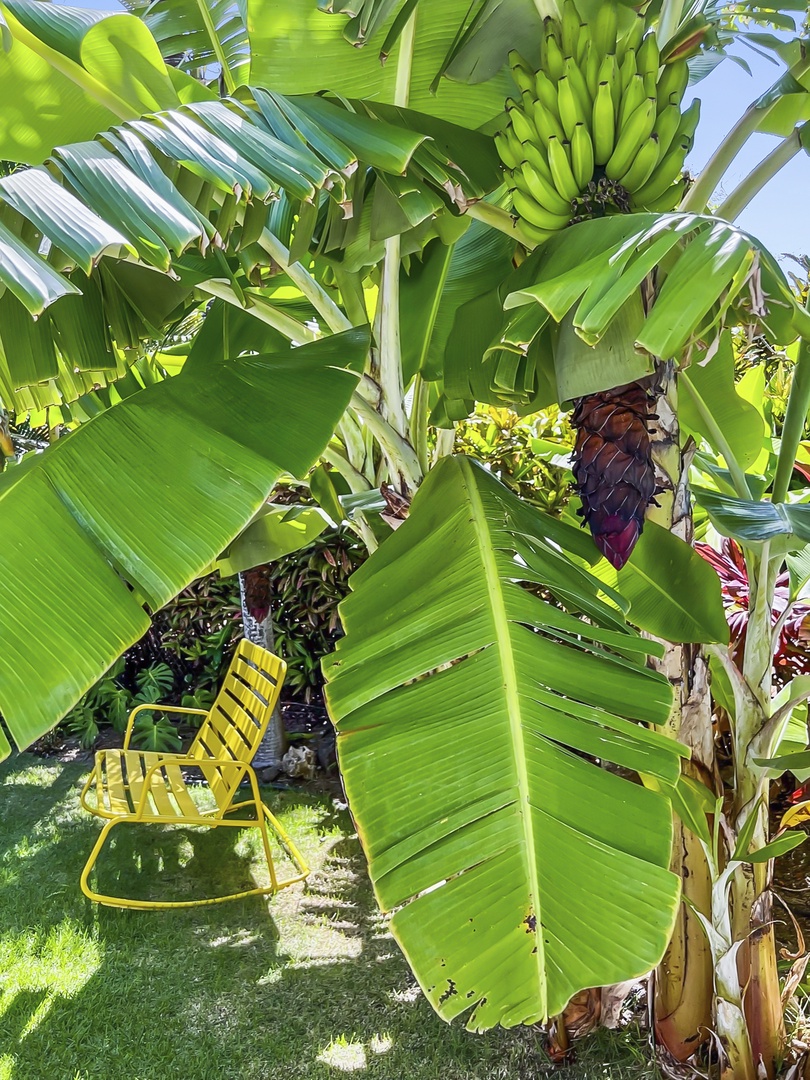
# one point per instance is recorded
(239, 717)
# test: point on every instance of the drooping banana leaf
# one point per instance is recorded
(109, 199)
(469, 710)
(585, 277)
(130, 508)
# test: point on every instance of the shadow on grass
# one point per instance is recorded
(305, 985)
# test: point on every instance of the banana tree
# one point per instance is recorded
(270, 213)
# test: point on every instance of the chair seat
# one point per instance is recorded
(119, 784)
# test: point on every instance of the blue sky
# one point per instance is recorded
(777, 216)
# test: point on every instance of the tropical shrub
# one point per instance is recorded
(522, 451)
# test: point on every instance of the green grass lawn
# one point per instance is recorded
(307, 984)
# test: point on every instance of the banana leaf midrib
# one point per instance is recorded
(503, 643)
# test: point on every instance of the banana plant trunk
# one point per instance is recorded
(683, 980)
(750, 895)
(733, 992)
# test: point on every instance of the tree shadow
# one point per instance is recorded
(306, 985)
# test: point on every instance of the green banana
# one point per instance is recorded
(510, 160)
(689, 122)
(591, 69)
(583, 43)
(648, 56)
(665, 175)
(570, 28)
(582, 156)
(521, 124)
(546, 123)
(546, 93)
(535, 235)
(561, 172)
(631, 99)
(551, 29)
(521, 72)
(605, 27)
(666, 125)
(609, 73)
(668, 201)
(604, 124)
(529, 181)
(543, 53)
(515, 145)
(632, 39)
(636, 131)
(673, 80)
(571, 112)
(530, 210)
(535, 157)
(628, 69)
(579, 86)
(643, 166)
(601, 100)
(554, 59)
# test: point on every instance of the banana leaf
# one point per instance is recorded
(134, 505)
(469, 711)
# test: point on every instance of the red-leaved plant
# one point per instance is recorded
(791, 656)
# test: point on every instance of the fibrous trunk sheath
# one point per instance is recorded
(613, 466)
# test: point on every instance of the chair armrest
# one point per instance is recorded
(159, 708)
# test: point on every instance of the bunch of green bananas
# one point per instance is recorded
(599, 127)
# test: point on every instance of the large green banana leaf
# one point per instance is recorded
(67, 73)
(134, 505)
(299, 48)
(199, 34)
(518, 871)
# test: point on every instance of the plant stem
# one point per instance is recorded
(390, 345)
(261, 309)
(742, 195)
(402, 88)
(419, 420)
(717, 436)
(703, 188)
(445, 441)
(389, 342)
(303, 280)
(397, 449)
(354, 478)
(216, 44)
(793, 429)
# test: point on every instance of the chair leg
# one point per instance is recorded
(91, 862)
(152, 905)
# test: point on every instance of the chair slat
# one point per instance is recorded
(114, 784)
(134, 768)
(174, 777)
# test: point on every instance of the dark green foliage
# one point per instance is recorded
(183, 657)
(307, 587)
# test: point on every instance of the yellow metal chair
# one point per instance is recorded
(150, 788)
